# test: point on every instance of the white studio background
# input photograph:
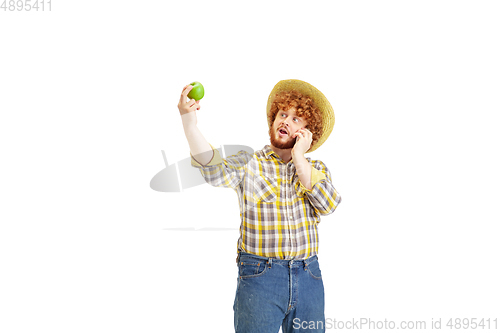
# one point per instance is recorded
(88, 100)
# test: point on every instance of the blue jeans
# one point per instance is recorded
(274, 292)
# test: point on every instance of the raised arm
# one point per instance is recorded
(198, 145)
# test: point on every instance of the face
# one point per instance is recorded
(284, 127)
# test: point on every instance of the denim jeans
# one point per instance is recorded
(274, 292)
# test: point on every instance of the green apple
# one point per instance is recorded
(197, 92)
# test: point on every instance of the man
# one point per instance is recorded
(281, 196)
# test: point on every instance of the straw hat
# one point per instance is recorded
(317, 96)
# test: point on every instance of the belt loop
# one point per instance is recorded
(270, 262)
(238, 258)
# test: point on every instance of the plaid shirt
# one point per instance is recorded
(279, 216)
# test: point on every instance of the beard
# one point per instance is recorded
(279, 144)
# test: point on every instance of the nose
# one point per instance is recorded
(285, 122)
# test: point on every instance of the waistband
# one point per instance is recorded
(270, 261)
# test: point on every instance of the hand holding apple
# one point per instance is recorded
(187, 108)
(197, 92)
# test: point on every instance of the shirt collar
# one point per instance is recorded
(268, 151)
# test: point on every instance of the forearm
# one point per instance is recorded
(198, 145)
(303, 169)
(320, 192)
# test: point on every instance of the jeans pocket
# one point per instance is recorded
(314, 270)
(251, 267)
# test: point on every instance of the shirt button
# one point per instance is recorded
(290, 217)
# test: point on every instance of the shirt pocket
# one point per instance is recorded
(265, 189)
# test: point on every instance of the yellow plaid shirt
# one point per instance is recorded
(279, 216)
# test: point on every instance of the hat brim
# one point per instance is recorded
(319, 99)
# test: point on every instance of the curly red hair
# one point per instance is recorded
(304, 106)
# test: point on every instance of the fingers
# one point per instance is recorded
(303, 133)
(186, 105)
(194, 107)
(185, 92)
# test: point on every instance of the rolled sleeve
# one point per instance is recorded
(216, 159)
(221, 172)
(316, 176)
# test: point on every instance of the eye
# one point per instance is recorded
(296, 120)
(283, 115)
